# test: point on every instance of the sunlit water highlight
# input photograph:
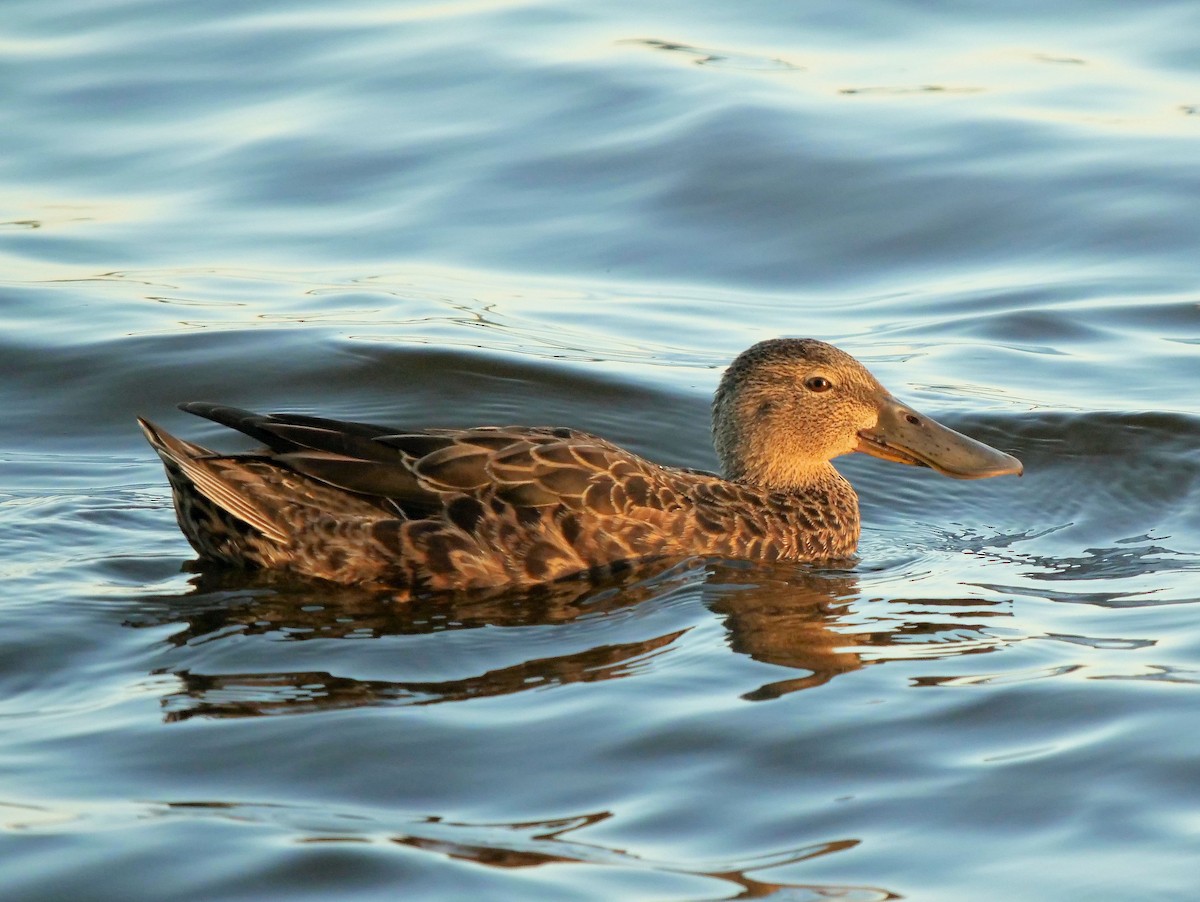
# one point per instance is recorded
(493, 212)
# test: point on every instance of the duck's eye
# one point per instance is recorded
(817, 383)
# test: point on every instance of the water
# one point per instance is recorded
(466, 212)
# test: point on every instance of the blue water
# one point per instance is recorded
(506, 212)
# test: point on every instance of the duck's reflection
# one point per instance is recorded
(249, 694)
(808, 621)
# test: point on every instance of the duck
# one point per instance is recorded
(442, 509)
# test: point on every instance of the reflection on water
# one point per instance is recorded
(720, 58)
(547, 842)
(793, 620)
(505, 846)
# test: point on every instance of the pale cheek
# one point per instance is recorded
(846, 428)
(864, 417)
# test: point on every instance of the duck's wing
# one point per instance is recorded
(340, 453)
(422, 471)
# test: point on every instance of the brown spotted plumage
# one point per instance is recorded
(437, 509)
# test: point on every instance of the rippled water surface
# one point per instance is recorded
(494, 211)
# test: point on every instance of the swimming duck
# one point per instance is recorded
(438, 509)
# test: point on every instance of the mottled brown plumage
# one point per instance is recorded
(438, 509)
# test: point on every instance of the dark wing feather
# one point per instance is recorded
(364, 477)
(289, 432)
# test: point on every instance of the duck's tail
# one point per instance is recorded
(208, 490)
(251, 510)
(171, 449)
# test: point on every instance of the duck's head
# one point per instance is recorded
(788, 406)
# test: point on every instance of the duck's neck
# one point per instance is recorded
(793, 478)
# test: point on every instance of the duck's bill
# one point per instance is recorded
(907, 437)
